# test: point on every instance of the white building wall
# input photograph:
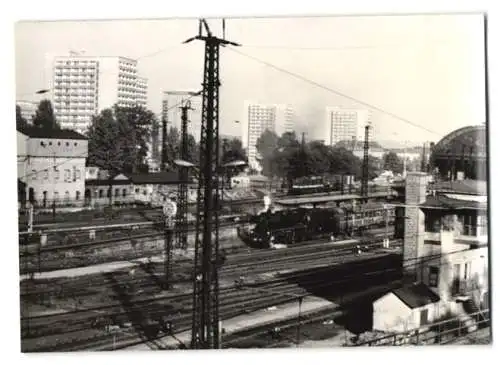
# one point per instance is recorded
(85, 85)
(56, 167)
(107, 83)
(258, 118)
(344, 124)
(390, 314)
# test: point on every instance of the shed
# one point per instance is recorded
(406, 308)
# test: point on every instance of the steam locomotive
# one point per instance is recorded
(302, 224)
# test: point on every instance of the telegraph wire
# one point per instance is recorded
(336, 92)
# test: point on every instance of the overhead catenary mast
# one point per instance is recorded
(205, 332)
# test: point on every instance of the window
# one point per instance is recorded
(124, 193)
(467, 269)
(46, 174)
(66, 196)
(101, 193)
(117, 192)
(432, 223)
(33, 174)
(469, 224)
(67, 175)
(137, 190)
(424, 317)
(433, 276)
(56, 196)
(77, 197)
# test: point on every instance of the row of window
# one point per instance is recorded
(49, 143)
(75, 62)
(68, 176)
(469, 224)
(123, 192)
(67, 196)
(459, 276)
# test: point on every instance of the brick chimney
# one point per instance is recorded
(416, 183)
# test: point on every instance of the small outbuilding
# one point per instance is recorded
(406, 308)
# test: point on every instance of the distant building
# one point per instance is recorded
(462, 154)
(261, 117)
(28, 109)
(51, 166)
(150, 188)
(142, 91)
(344, 124)
(85, 85)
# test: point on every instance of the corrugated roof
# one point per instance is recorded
(34, 132)
(162, 177)
(444, 202)
(472, 187)
(416, 295)
(316, 199)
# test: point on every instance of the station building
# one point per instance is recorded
(51, 166)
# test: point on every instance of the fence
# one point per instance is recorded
(438, 333)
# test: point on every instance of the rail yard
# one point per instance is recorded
(113, 308)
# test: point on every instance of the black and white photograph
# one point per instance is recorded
(252, 182)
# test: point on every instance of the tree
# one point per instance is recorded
(266, 146)
(173, 145)
(44, 116)
(117, 140)
(135, 124)
(21, 122)
(232, 150)
(392, 162)
(155, 141)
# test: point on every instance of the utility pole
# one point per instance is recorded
(181, 231)
(205, 331)
(424, 158)
(364, 178)
(164, 142)
(169, 212)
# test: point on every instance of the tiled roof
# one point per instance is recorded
(416, 295)
(472, 187)
(34, 132)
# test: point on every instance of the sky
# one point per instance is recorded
(421, 76)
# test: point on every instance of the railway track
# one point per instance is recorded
(43, 259)
(154, 307)
(237, 260)
(91, 216)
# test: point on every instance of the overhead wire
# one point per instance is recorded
(332, 90)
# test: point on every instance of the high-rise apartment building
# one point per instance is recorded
(85, 85)
(262, 117)
(142, 91)
(345, 125)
